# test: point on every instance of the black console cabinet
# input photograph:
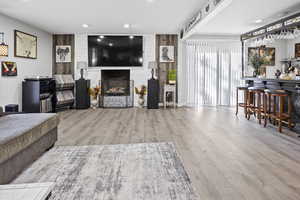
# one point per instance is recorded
(83, 100)
(38, 95)
(153, 94)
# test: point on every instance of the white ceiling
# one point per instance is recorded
(103, 16)
(241, 15)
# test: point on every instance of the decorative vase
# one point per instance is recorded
(141, 101)
(94, 102)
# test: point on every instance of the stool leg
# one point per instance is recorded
(290, 111)
(259, 107)
(248, 104)
(281, 107)
(265, 103)
(274, 110)
(245, 102)
(237, 102)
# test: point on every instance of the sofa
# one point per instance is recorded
(23, 139)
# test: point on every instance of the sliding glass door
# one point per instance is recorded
(213, 72)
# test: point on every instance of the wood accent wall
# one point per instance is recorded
(163, 68)
(63, 68)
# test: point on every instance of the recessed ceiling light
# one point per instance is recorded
(126, 25)
(131, 37)
(85, 25)
(101, 36)
(258, 21)
(99, 40)
(111, 44)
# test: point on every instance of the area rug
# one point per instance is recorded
(112, 172)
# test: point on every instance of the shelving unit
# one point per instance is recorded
(39, 95)
(64, 91)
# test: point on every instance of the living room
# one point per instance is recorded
(149, 99)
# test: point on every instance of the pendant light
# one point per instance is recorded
(3, 47)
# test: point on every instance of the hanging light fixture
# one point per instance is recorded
(3, 47)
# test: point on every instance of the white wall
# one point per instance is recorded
(291, 47)
(139, 75)
(11, 87)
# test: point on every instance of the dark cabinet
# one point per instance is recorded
(38, 95)
(83, 100)
(153, 94)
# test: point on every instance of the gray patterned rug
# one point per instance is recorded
(112, 172)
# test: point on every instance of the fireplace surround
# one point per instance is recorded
(116, 89)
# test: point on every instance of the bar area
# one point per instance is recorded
(271, 75)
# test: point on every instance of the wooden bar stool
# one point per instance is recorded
(241, 104)
(254, 102)
(275, 110)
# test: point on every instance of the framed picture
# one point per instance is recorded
(63, 54)
(297, 50)
(268, 53)
(9, 68)
(166, 54)
(25, 45)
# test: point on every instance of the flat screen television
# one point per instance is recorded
(115, 51)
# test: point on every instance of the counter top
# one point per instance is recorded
(271, 80)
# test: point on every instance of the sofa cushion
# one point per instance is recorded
(19, 131)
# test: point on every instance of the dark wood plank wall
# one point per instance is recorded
(63, 68)
(162, 40)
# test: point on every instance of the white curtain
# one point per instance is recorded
(213, 72)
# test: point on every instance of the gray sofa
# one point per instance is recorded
(23, 139)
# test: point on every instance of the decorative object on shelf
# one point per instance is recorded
(167, 54)
(172, 76)
(82, 66)
(63, 54)
(94, 92)
(153, 66)
(9, 68)
(25, 45)
(3, 46)
(297, 50)
(278, 73)
(141, 92)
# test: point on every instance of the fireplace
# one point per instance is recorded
(116, 89)
(115, 82)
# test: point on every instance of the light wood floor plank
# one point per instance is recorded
(227, 157)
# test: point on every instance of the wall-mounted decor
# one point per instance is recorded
(3, 46)
(25, 45)
(297, 50)
(166, 54)
(9, 68)
(269, 54)
(63, 54)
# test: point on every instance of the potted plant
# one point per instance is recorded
(172, 75)
(257, 62)
(94, 93)
(141, 92)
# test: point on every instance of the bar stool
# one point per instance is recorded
(254, 102)
(276, 111)
(241, 104)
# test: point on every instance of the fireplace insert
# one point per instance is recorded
(116, 89)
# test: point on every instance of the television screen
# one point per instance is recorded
(115, 51)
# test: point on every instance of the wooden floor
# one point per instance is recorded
(227, 157)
